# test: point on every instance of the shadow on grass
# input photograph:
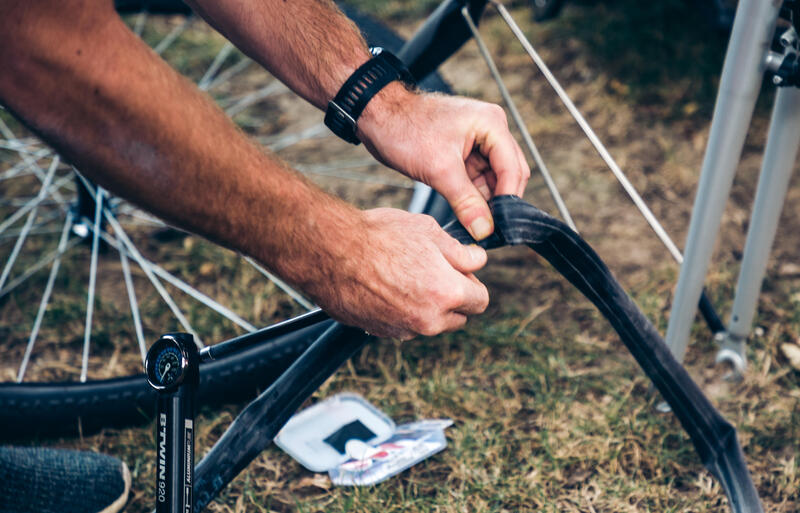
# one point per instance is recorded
(666, 54)
(663, 52)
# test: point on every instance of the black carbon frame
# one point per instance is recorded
(516, 222)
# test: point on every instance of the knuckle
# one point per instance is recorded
(484, 300)
(431, 228)
(440, 299)
(429, 330)
(426, 326)
(452, 299)
(497, 114)
(418, 323)
(468, 202)
(430, 222)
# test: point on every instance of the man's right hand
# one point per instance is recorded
(402, 276)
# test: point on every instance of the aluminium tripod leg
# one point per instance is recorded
(780, 155)
(741, 80)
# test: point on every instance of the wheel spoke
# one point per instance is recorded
(87, 331)
(591, 135)
(33, 269)
(9, 135)
(282, 285)
(137, 321)
(144, 266)
(283, 141)
(34, 203)
(21, 202)
(24, 168)
(340, 171)
(28, 223)
(38, 229)
(185, 287)
(27, 147)
(134, 212)
(172, 36)
(41, 227)
(48, 290)
(208, 76)
(515, 115)
(230, 73)
(200, 297)
(138, 26)
(255, 97)
(6, 132)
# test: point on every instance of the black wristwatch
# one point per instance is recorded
(365, 82)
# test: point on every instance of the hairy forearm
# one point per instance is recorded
(80, 79)
(122, 116)
(308, 44)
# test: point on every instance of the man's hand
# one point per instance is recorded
(460, 147)
(131, 124)
(394, 274)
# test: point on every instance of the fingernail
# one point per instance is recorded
(480, 228)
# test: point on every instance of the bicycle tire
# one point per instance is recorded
(47, 409)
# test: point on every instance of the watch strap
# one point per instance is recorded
(351, 100)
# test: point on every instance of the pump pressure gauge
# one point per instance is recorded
(167, 362)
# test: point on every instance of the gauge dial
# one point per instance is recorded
(168, 366)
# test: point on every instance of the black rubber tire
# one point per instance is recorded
(46, 409)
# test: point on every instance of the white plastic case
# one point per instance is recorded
(316, 437)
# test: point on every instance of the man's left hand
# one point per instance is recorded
(460, 147)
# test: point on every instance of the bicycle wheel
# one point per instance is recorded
(87, 279)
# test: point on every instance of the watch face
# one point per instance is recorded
(168, 366)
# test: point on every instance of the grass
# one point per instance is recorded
(551, 413)
(543, 423)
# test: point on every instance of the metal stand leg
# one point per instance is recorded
(741, 80)
(780, 154)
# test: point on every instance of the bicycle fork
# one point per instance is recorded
(172, 366)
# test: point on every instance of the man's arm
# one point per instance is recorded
(80, 79)
(460, 147)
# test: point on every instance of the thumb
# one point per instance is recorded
(467, 203)
(465, 259)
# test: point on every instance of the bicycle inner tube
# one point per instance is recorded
(516, 223)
